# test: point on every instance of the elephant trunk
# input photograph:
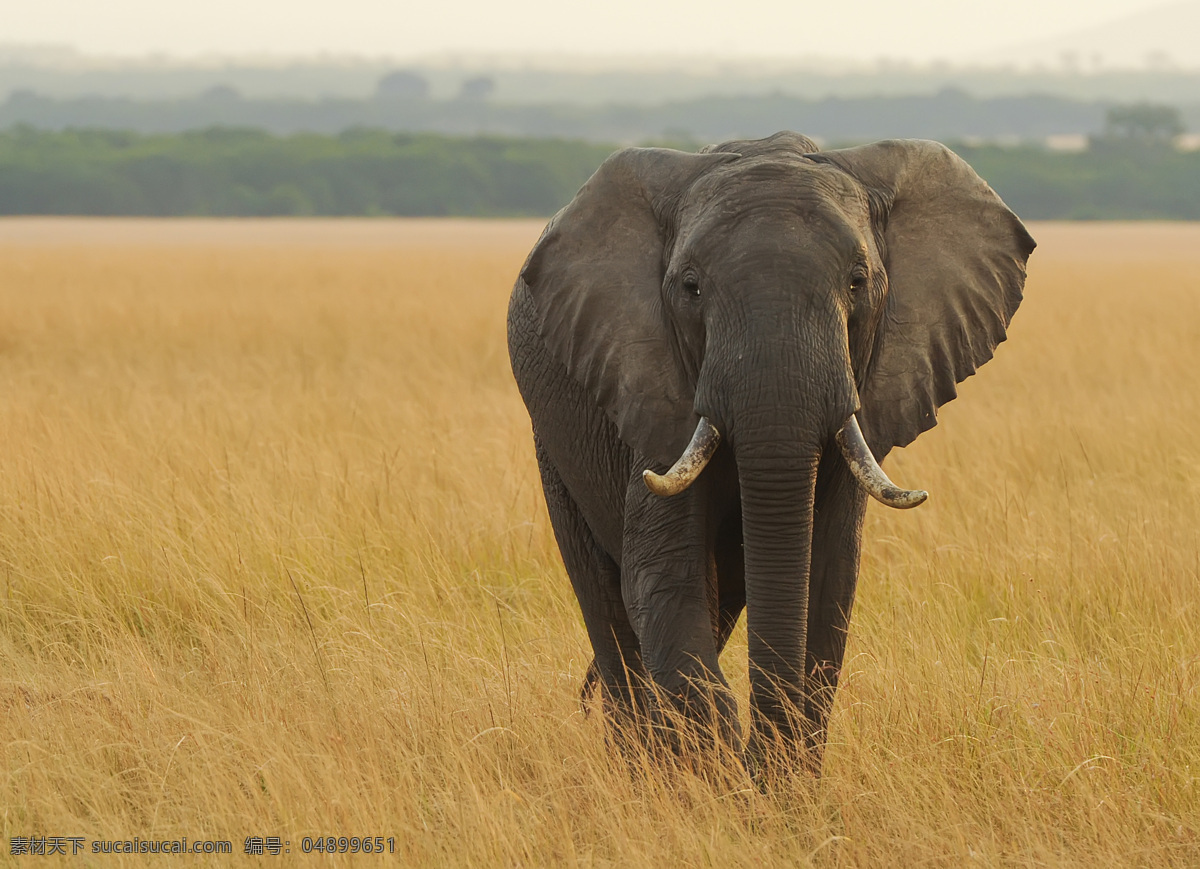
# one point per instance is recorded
(791, 403)
(777, 492)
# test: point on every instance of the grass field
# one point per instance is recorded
(274, 561)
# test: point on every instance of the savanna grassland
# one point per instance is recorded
(274, 561)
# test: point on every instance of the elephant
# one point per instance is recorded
(716, 350)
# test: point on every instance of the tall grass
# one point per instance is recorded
(274, 561)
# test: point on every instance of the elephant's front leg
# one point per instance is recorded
(668, 583)
(837, 533)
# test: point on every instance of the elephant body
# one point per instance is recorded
(780, 296)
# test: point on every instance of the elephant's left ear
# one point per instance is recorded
(955, 257)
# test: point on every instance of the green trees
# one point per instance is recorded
(1102, 183)
(1143, 122)
(248, 172)
(239, 172)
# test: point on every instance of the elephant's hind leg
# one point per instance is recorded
(596, 578)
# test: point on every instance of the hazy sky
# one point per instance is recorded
(866, 29)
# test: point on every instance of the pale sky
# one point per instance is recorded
(853, 29)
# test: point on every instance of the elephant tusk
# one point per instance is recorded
(869, 474)
(685, 471)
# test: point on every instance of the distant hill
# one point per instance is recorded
(1164, 37)
(61, 73)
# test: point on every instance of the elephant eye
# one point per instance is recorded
(691, 285)
(858, 282)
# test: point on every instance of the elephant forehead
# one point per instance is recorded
(792, 188)
(778, 213)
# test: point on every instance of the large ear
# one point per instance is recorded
(596, 279)
(955, 259)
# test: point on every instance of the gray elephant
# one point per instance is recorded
(765, 320)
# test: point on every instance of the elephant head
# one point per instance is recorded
(781, 300)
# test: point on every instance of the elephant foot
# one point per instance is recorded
(773, 759)
(694, 729)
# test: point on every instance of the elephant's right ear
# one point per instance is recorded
(596, 279)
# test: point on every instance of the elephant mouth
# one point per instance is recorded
(850, 440)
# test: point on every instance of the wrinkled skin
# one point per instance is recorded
(775, 290)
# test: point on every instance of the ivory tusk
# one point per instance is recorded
(869, 474)
(685, 471)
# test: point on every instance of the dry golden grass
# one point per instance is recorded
(274, 561)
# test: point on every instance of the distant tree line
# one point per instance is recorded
(1116, 179)
(228, 172)
(250, 172)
